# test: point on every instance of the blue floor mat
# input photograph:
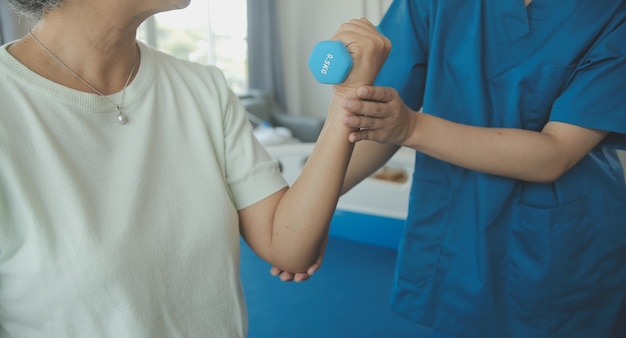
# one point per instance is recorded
(347, 298)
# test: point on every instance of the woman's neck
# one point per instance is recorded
(95, 49)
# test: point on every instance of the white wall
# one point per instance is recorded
(303, 24)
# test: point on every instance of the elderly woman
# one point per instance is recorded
(127, 177)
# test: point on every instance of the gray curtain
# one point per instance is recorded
(9, 29)
(264, 50)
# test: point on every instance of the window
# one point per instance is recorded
(209, 32)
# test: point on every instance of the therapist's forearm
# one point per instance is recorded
(514, 153)
(367, 157)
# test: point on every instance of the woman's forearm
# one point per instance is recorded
(303, 215)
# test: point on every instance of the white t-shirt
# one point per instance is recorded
(111, 230)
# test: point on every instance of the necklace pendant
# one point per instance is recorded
(121, 117)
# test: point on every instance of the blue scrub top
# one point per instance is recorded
(487, 256)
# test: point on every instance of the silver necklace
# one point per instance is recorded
(121, 117)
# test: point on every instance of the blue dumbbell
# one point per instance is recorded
(330, 62)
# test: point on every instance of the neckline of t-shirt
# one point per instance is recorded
(84, 101)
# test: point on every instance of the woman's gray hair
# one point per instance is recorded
(33, 9)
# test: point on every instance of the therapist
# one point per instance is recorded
(517, 215)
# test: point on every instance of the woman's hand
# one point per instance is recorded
(379, 114)
(368, 48)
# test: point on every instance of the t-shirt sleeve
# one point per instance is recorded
(251, 173)
(595, 96)
(406, 24)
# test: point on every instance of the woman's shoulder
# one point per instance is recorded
(153, 57)
(176, 69)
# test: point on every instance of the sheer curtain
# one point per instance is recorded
(264, 50)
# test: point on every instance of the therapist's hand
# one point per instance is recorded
(295, 277)
(286, 276)
(379, 114)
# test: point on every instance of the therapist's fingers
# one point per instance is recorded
(301, 277)
(282, 275)
(275, 271)
(379, 115)
(291, 277)
(378, 94)
(374, 101)
(296, 277)
(386, 131)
